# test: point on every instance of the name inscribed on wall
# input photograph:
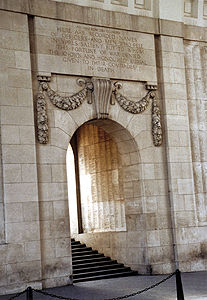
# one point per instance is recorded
(98, 49)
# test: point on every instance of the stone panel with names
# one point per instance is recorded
(95, 51)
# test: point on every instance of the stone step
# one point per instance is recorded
(96, 262)
(87, 269)
(88, 264)
(73, 243)
(86, 254)
(89, 259)
(101, 272)
(81, 250)
(78, 246)
(106, 276)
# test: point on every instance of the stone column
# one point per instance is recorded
(171, 73)
(195, 79)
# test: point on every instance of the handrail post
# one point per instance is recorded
(29, 293)
(179, 286)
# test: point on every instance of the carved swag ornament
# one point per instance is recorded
(99, 91)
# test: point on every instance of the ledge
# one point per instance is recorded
(91, 16)
(195, 33)
(99, 17)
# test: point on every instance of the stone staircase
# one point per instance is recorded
(88, 264)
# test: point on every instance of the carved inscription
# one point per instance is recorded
(100, 49)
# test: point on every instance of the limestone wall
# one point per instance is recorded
(2, 220)
(20, 254)
(86, 56)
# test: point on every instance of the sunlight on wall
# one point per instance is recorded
(87, 205)
(101, 181)
(72, 199)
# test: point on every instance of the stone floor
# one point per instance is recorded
(194, 285)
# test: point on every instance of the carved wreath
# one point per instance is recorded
(72, 102)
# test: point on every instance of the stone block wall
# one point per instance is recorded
(164, 188)
(180, 174)
(20, 254)
(2, 220)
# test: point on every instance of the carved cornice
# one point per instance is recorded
(102, 89)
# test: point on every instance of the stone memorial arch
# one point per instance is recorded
(124, 84)
(116, 224)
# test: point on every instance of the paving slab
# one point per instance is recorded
(194, 286)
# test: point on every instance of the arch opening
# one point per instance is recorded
(110, 206)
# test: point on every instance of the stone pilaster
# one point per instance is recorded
(171, 73)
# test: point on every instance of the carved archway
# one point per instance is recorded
(126, 128)
(116, 239)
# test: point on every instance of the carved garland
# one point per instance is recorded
(72, 102)
(62, 102)
(140, 106)
(42, 120)
(66, 103)
(156, 122)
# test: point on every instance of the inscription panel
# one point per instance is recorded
(94, 51)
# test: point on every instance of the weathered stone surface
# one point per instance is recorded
(132, 193)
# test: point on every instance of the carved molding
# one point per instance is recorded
(102, 89)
